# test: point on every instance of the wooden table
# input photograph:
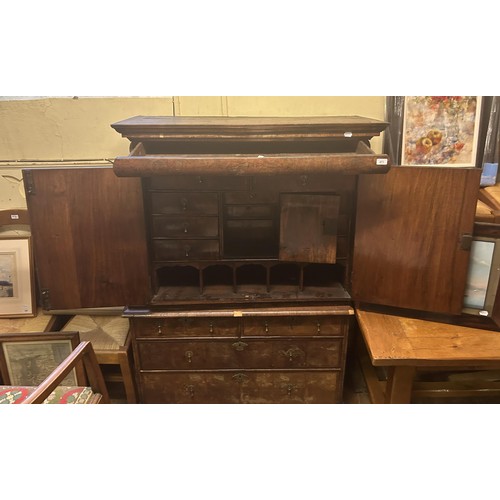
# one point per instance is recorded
(404, 345)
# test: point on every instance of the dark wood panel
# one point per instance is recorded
(409, 226)
(89, 237)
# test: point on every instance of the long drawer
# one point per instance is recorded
(247, 354)
(300, 386)
(248, 326)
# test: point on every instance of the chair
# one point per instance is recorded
(55, 368)
(111, 339)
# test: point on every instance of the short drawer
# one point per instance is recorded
(250, 211)
(185, 227)
(251, 354)
(184, 327)
(295, 325)
(265, 387)
(185, 203)
(185, 249)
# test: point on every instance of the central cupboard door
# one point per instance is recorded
(89, 237)
(413, 233)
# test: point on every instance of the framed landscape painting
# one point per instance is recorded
(16, 277)
(440, 130)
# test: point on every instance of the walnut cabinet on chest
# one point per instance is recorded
(237, 247)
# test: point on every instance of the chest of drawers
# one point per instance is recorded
(272, 355)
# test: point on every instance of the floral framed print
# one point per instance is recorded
(16, 277)
(441, 130)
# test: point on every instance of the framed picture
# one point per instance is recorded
(29, 363)
(16, 277)
(441, 130)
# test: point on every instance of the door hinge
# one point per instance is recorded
(466, 241)
(29, 184)
(46, 299)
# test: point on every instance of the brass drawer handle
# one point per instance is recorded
(240, 377)
(186, 226)
(187, 249)
(159, 332)
(318, 324)
(266, 327)
(211, 330)
(189, 356)
(184, 204)
(290, 388)
(293, 352)
(239, 346)
(190, 390)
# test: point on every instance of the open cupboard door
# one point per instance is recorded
(89, 239)
(414, 229)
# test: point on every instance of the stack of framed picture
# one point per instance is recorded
(17, 290)
(16, 277)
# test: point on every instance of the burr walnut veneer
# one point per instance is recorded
(238, 244)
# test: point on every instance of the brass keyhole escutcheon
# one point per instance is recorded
(240, 377)
(189, 356)
(190, 390)
(239, 346)
(292, 353)
(159, 329)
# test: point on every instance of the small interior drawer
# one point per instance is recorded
(185, 227)
(185, 249)
(184, 203)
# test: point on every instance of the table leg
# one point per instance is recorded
(399, 384)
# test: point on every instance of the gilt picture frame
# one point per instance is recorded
(441, 131)
(17, 294)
